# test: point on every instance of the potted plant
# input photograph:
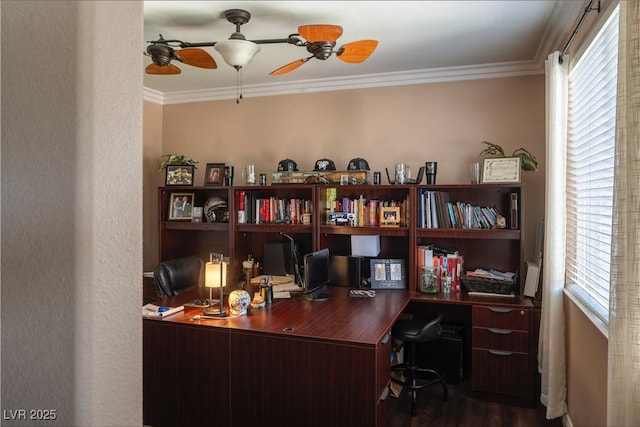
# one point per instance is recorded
(179, 169)
(528, 163)
(175, 159)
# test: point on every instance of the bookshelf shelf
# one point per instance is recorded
(371, 230)
(274, 228)
(188, 225)
(455, 233)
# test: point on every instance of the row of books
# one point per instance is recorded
(364, 212)
(436, 211)
(448, 265)
(273, 210)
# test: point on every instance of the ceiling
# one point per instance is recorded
(419, 41)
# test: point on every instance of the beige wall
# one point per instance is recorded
(71, 221)
(152, 178)
(445, 122)
(586, 370)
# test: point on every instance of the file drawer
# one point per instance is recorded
(501, 339)
(501, 317)
(501, 372)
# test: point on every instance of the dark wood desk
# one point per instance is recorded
(295, 362)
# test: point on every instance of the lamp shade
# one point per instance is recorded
(213, 276)
(237, 53)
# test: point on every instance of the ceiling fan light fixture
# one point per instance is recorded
(237, 53)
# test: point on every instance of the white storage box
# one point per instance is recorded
(365, 245)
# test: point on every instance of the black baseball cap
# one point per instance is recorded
(287, 165)
(324, 165)
(358, 164)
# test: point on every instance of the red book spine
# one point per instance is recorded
(241, 200)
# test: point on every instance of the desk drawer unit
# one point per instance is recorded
(501, 353)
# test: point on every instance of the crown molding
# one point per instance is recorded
(557, 29)
(402, 78)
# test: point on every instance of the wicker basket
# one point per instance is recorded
(491, 286)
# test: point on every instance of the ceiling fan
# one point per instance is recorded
(320, 43)
(237, 51)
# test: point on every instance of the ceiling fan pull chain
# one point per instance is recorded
(238, 87)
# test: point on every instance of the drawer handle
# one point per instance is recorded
(500, 353)
(500, 331)
(386, 338)
(500, 310)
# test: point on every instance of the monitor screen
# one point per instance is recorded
(316, 274)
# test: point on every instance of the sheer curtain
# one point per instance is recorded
(551, 348)
(623, 397)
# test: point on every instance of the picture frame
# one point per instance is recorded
(181, 206)
(389, 217)
(214, 174)
(388, 273)
(179, 175)
(501, 170)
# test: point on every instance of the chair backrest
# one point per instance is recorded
(177, 276)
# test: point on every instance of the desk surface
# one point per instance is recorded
(341, 318)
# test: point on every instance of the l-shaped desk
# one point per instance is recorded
(299, 362)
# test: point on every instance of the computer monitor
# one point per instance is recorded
(316, 275)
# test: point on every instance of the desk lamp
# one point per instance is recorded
(215, 277)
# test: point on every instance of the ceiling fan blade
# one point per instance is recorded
(289, 67)
(197, 57)
(356, 52)
(166, 69)
(320, 33)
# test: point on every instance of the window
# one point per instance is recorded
(590, 165)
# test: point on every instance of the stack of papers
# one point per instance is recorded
(286, 287)
(151, 310)
(491, 274)
(281, 295)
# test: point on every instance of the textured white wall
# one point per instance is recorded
(71, 211)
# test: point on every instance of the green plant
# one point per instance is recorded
(529, 163)
(175, 159)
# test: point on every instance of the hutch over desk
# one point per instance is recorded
(499, 343)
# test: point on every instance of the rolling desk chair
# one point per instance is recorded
(178, 276)
(413, 332)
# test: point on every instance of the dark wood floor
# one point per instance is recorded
(462, 409)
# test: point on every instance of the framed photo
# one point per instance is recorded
(181, 206)
(388, 274)
(501, 169)
(179, 175)
(390, 217)
(214, 174)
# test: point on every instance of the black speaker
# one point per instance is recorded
(346, 270)
(274, 261)
(355, 271)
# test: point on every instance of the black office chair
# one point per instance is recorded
(178, 276)
(413, 332)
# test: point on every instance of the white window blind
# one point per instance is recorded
(590, 165)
